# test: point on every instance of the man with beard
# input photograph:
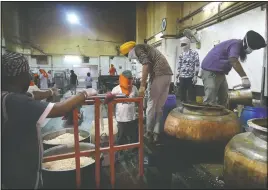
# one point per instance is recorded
(157, 67)
(220, 60)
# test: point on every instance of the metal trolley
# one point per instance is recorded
(96, 100)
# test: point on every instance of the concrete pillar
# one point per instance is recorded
(141, 21)
(174, 11)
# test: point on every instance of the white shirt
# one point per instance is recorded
(126, 111)
(43, 82)
(88, 81)
(49, 77)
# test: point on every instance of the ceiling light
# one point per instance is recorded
(72, 18)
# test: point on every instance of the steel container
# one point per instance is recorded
(66, 179)
(54, 134)
(241, 96)
(245, 158)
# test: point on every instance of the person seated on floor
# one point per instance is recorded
(126, 112)
(22, 116)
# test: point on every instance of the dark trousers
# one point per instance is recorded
(89, 87)
(127, 130)
(187, 87)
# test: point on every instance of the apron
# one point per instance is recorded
(4, 95)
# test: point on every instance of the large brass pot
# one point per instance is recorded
(202, 123)
(245, 158)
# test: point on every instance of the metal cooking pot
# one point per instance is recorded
(196, 133)
(245, 158)
(240, 96)
(67, 179)
(54, 134)
(202, 123)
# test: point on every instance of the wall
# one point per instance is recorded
(109, 23)
(149, 18)
(254, 19)
(59, 63)
(141, 21)
(169, 48)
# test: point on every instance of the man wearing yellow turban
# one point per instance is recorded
(156, 66)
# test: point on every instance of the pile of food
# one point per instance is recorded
(67, 138)
(67, 164)
(240, 171)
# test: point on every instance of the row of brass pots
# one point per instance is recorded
(245, 155)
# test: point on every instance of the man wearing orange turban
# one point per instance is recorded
(156, 66)
(126, 112)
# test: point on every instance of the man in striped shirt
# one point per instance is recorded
(156, 66)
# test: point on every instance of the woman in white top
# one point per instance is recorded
(88, 81)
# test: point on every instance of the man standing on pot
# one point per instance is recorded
(155, 64)
(188, 67)
(220, 60)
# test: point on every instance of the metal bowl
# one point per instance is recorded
(54, 134)
(66, 179)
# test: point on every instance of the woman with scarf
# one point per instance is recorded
(126, 112)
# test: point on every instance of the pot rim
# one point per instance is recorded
(64, 145)
(65, 129)
(202, 105)
(251, 124)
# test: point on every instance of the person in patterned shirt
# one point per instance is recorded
(156, 65)
(188, 67)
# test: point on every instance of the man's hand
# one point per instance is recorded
(237, 66)
(141, 91)
(55, 91)
(194, 79)
(90, 92)
(178, 78)
(109, 97)
(245, 82)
